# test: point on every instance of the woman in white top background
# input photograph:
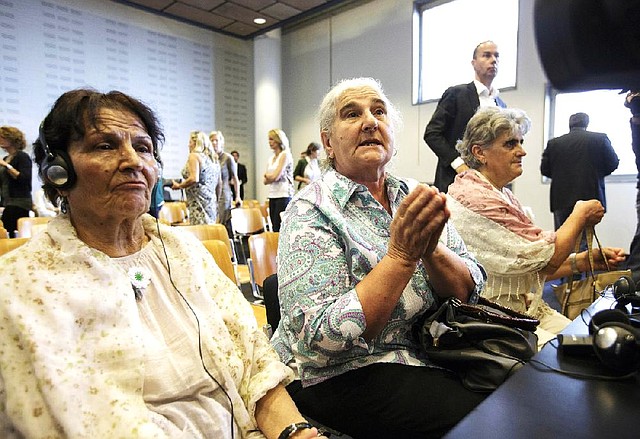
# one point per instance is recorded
(279, 176)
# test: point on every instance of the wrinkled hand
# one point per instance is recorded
(418, 223)
(591, 210)
(614, 256)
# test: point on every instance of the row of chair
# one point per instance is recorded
(262, 245)
(247, 223)
(176, 213)
(6, 245)
(27, 226)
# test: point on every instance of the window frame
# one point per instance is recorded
(419, 7)
(551, 95)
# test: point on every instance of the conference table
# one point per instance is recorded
(537, 402)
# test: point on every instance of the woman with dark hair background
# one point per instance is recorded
(308, 169)
(15, 178)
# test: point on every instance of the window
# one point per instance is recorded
(445, 34)
(607, 114)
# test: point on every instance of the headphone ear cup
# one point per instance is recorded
(607, 316)
(57, 170)
(617, 345)
(624, 290)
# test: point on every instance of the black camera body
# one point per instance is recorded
(589, 44)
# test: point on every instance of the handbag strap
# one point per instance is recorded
(492, 312)
(589, 232)
(604, 257)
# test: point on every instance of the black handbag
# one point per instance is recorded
(484, 344)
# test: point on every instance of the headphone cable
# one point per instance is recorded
(198, 326)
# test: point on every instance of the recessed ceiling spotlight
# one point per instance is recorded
(259, 20)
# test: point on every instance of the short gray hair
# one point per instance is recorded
(328, 110)
(486, 126)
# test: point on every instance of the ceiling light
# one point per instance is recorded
(259, 20)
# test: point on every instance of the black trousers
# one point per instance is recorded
(10, 216)
(276, 207)
(388, 400)
(633, 262)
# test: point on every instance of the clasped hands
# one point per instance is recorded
(418, 224)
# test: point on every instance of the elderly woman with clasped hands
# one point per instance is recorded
(361, 258)
(117, 326)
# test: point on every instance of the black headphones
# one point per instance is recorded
(615, 341)
(624, 291)
(56, 169)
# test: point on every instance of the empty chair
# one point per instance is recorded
(211, 231)
(244, 223)
(250, 203)
(6, 245)
(264, 209)
(216, 231)
(261, 317)
(220, 253)
(174, 213)
(263, 251)
(28, 225)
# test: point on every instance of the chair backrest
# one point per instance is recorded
(174, 213)
(246, 221)
(6, 245)
(250, 203)
(218, 250)
(263, 250)
(264, 209)
(26, 225)
(211, 231)
(271, 300)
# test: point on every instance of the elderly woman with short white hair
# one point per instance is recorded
(362, 258)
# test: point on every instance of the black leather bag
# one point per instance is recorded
(484, 343)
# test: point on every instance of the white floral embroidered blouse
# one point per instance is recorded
(81, 358)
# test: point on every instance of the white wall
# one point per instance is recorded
(192, 78)
(375, 39)
(268, 97)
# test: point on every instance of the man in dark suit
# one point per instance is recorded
(455, 108)
(632, 101)
(242, 175)
(577, 163)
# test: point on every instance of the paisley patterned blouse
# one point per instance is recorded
(334, 232)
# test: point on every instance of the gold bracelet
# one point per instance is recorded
(574, 263)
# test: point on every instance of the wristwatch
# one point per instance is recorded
(574, 263)
(289, 430)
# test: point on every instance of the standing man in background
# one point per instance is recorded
(242, 175)
(455, 108)
(632, 102)
(577, 163)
